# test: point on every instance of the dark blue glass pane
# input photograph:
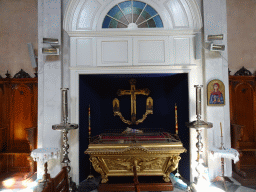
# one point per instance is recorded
(146, 15)
(113, 11)
(151, 23)
(158, 21)
(150, 10)
(124, 5)
(106, 22)
(138, 4)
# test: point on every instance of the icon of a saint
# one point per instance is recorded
(216, 95)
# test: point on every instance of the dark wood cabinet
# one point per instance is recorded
(243, 126)
(18, 122)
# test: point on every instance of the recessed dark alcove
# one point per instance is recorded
(98, 91)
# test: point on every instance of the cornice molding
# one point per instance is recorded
(112, 33)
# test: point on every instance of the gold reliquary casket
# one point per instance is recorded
(152, 154)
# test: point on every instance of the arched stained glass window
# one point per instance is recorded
(132, 15)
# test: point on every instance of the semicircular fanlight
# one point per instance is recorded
(132, 15)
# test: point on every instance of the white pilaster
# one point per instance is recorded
(216, 67)
(49, 81)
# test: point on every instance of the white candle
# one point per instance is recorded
(221, 129)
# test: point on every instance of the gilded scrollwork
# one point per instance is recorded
(152, 163)
(141, 164)
(98, 168)
(171, 166)
(119, 164)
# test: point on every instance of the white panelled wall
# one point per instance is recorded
(89, 49)
(135, 50)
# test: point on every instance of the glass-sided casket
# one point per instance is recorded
(153, 154)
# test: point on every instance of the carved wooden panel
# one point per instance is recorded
(18, 111)
(3, 128)
(244, 110)
(20, 115)
(243, 113)
(1, 105)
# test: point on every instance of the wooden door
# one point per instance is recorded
(243, 112)
(18, 115)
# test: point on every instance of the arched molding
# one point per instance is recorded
(184, 14)
(77, 18)
(194, 14)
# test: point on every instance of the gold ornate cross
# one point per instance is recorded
(133, 92)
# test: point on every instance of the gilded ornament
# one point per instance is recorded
(133, 92)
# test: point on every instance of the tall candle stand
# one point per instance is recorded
(90, 176)
(222, 159)
(199, 125)
(65, 127)
(177, 174)
(222, 177)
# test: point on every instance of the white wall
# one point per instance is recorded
(241, 35)
(18, 26)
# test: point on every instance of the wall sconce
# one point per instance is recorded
(50, 41)
(217, 47)
(51, 51)
(214, 47)
(54, 49)
(215, 37)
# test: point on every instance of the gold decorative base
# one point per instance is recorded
(149, 159)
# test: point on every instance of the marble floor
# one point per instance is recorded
(218, 186)
(214, 187)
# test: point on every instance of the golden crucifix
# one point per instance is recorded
(133, 92)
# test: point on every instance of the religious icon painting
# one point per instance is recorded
(216, 93)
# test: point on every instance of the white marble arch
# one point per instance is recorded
(85, 15)
(83, 19)
(180, 17)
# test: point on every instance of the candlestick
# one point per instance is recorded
(222, 143)
(90, 176)
(176, 119)
(65, 127)
(221, 129)
(89, 122)
(198, 125)
(198, 101)
(64, 104)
